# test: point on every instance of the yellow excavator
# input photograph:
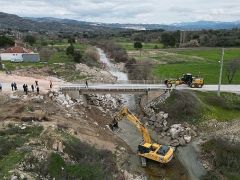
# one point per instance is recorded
(146, 149)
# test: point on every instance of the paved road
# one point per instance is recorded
(144, 87)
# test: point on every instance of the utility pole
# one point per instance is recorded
(220, 75)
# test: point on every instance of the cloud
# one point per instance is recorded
(127, 11)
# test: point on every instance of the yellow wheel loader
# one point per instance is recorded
(193, 82)
(146, 149)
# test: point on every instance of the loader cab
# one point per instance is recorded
(187, 78)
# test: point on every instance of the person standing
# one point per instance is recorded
(32, 86)
(37, 90)
(12, 85)
(26, 89)
(86, 84)
(50, 83)
(0, 87)
(15, 86)
(36, 82)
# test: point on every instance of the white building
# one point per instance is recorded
(18, 54)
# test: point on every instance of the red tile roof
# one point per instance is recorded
(17, 50)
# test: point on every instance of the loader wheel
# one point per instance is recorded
(200, 86)
(192, 85)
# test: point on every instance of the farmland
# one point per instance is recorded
(173, 62)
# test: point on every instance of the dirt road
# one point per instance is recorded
(44, 82)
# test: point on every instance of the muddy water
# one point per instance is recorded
(130, 134)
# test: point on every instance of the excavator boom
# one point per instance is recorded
(130, 116)
(155, 152)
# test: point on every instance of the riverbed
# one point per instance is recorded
(130, 134)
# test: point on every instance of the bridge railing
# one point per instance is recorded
(123, 82)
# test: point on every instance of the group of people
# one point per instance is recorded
(25, 88)
(14, 86)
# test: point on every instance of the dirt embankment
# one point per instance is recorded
(88, 124)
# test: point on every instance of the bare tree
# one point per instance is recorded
(232, 68)
(92, 54)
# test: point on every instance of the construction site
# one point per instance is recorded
(143, 134)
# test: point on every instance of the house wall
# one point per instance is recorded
(11, 56)
(33, 57)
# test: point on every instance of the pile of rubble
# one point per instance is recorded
(98, 75)
(62, 99)
(178, 134)
(107, 102)
(175, 134)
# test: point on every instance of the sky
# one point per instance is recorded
(127, 11)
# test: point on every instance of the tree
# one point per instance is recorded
(71, 40)
(77, 56)
(30, 39)
(168, 39)
(70, 50)
(232, 68)
(138, 45)
(6, 41)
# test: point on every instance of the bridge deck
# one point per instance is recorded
(139, 88)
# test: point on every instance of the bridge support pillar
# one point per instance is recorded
(84, 99)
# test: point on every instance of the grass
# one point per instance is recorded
(58, 169)
(10, 139)
(89, 163)
(226, 159)
(209, 71)
(213, 54)
(9, 162)
(100, 163)
(64, 45)
(67, 72)
(224, 108)
(60, 57)
(175, 62)
(12, 66)
(129, 46)
(208, 67)
(196, 107)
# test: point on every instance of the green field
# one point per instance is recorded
(208, 67)
(213, 54)
(172, 63)
(130, 45)
(209, 71)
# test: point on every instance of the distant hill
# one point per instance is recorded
(69, 25)
(207, 25)
(46, 24)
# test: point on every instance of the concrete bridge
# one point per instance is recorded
(113, 88)
(139, 88)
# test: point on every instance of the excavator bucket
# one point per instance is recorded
(114, 125)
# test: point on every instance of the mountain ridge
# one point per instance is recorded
(58, 24)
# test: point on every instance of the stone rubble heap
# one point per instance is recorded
(107, 102)
(175, 134)
(178, 134)
(98, 75)
(153, 105)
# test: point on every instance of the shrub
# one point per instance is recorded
(91, 54)
(182, 106)
(225, 157)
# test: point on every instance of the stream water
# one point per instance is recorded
(130, 134)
